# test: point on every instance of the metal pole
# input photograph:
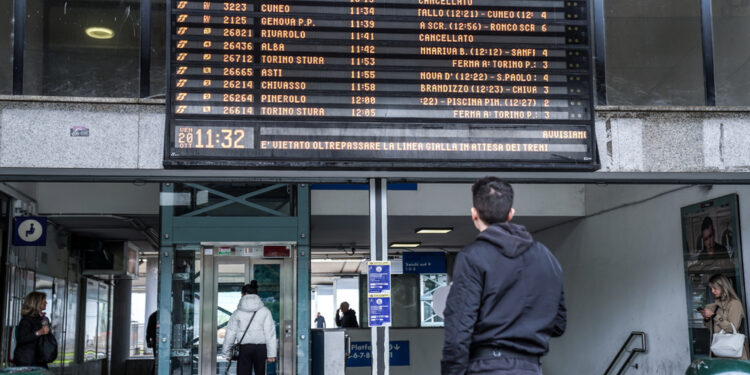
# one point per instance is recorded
(379, 252)
(123, 291)
(166, 263)
(303, 279)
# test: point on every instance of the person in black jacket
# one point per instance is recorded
(506, 300)
(151, 338)
(33, 325)
(348, 318)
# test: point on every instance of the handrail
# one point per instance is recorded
(633, 352)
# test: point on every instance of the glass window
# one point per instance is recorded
(428, 283)
(158, 47)
(654, 52)
(6, 47)
(82, 48)
(44, 284)
(102, 342)
(92, 308)
(731, 23)
(57, 319)
(71, 319)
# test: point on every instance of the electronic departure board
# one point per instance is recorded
(393, 84)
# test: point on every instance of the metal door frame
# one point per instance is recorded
(185, 232)
(210, 281)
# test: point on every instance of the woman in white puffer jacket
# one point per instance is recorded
(259, 343)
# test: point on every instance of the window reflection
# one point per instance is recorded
(92, 301)
(654, 52)
(731, 22)
(62, 58)
(158, 47)
(6, 47)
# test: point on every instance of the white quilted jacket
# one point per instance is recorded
(261, 331)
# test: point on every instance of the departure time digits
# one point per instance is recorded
(361, 48)
(458, 59)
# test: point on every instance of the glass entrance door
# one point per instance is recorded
(223, 276)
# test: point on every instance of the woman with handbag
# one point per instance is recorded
(726, 313)
(253, 329)
(32, 327)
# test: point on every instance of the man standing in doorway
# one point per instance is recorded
(507, 298)
(320, 321)
(151, 338)
(348, 318)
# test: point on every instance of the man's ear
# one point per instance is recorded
(511, 213)
(474, 214)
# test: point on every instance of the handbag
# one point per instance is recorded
(728, 345)
(46, 348)
(234, 351)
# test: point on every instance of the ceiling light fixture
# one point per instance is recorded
(405, 244)
(434, 230)
(100, 32)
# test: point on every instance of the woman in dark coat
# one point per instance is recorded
(33, 325)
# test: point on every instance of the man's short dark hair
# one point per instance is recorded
(493, 199)
(707, 224)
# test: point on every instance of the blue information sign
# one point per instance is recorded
(424, 262)
(362, 354)
(380, 311)
(378, 278)
(29, 231)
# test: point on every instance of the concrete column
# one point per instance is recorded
(152, 286)
(123, 291)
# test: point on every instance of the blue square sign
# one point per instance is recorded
(380, 311)
(29, 231)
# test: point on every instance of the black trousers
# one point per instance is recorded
(252, 357)
(504, 366)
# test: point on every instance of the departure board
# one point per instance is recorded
(433, 84)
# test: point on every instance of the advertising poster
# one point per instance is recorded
(711, 245)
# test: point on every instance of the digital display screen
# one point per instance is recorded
(435, 84)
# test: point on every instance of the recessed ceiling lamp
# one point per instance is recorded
(100, 32)
(434, 230)
(405, 244)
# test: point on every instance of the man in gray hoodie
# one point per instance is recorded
(259, 342)
(506, 300)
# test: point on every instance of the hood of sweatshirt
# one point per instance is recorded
(250, 303)
(510, 239)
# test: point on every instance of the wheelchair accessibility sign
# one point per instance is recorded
(29, 231)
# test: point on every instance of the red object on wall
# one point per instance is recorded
(277, 251)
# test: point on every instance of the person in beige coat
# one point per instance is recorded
(725, 311)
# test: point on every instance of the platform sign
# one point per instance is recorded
(379, 278)
(391, 84)
(379, 308)
(379, 293)
(424, 262)
(29, 231)
(361, 354)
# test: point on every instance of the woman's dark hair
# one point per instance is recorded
(251, 288)
(493, 199)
